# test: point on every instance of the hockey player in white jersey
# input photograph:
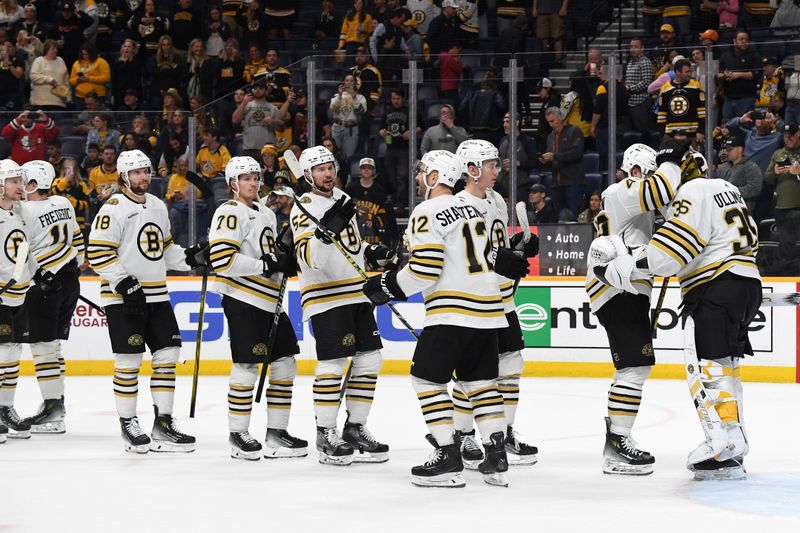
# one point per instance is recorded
(710, 242)
(249, 268)
(341, 316)
(13, 316)
(56, 249)
(454, 265)
(481, 165)
(131, 248)
(648, 182)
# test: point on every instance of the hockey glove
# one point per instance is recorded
(507, 263)
(279, 262)
(380, 256)
(133, 298)
(671, 151)
(47, 282)
(384, 288)
(198, 255)
(335, 220)
(529, 249)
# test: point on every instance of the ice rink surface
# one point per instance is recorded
(83, 481)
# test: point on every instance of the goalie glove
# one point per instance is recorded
(383, 289)
(380, 256)
(509, 264)
(335, 220)
(620, 272)
(605, 249)
(529, 249)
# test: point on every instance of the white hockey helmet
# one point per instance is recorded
(42, 172)
(475, 152)
(132, 160)
(240, 165)
(10, 169)
(639, 155)
(447, 164)
(316, 155)
(693, 165)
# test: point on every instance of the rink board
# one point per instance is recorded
(562, 337)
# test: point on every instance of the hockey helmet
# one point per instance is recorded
(42, 172)
(639, 155)
(475, 152)
(447, 164)
(693, 166)
(240, 165)
(132, 160)
(10, 169)
(311, 157)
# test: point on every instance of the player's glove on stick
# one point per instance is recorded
(47, 282)
(380, 256)
(529, 249)
(335, 220)
(671, 151)
(384, 288)
(279, 262)
(133, 298)
(198, 255)
(509, 264)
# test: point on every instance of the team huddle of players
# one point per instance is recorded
(460, 258)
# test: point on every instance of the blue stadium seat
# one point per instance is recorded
(591, 162)
(157, 186)
(72, 146)
(594, 182)
(220, 188)
(767, 230)
(629, 138)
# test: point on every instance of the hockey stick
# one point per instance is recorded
(294, 166)
(22, 259)
(780, 299)
(91, 304)
(198, 341)
(661, 294)
(522, 220)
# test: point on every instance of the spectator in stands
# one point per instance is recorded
(698, 58)
(741, 171)
(651, 15)
(370, 81)
(69, 30)
(442, 30)
(667, 43)
(256, 65)
(212, 156)
(705, 14)
(326, 23)
(678, 14)
(587, 216)
(84, 121)
(30, 23)
(54, 156)
(374, 215)
(230, 12)
(356, 28)
(89, 8)
(396, 133)
(665, 75)
(540, 209)
(281, 16)
(185, 25)
(49, 79)
(483, 111)
(422, 13)
(737, 75)
(344, 169)
(252, 24)
(512, 41)
(175, 126)
(164, 70)
(450, 69)
(415, 43)
(565, 156)
(179, 192)
(229, 76)
(445, 135)
(710, 37)
(638, 76)
(281, 201)
(199, 71)
(90, 74)
(126, 73)
(204, 116)
(508, 11)
(145, 138)
(600, 114)
(130, 105)
(769, 85)
(259, 119)
(70, 185)
(28, 135)
(149, 28)
(91, 159)
(548, 97)
(347, 108)
(391, 60)
(682, 103)
(792, 86)
(103, 178)
(175, 149)
(760, 14)
(31, 46)
(269, 165)
(728, 12)
(215, 32)
(468, 23)
(583, 83)
(550, 22)
(762, 133)
(783, 171)
(102, 134)
(12, 76)
(386, 30)
(526, 158)
(279, 79)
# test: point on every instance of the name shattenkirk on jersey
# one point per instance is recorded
(451, 214)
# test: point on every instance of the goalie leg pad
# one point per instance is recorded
(719, 378)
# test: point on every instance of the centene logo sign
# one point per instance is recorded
(532, 317)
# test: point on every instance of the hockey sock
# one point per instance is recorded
(162, 382)
(240, 395)
(61, 363)
(625, 397)
(361, 385)
(279, 392)
(48, 370)
(510, 370)
(462, 412)
(9, 368)
(437, 409)
(327, 390)
(126, 383)
(487, 405)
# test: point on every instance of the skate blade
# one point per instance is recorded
(236, 453)
(442, 481)
(2, 438)
(49, 427)
(142, 449)
(19, 434)
(284, 453)
(736, 473)
(471, 465)
(341, 460)
(522, 460)
(626, 469)
(368, 457)
(497, 479)
(162, 446)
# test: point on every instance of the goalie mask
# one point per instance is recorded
(693, 166)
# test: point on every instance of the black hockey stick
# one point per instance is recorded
(661, 294)
(273, 332)
(91, 304)
(198, 341)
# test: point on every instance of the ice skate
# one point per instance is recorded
(367, 449)
(50, 418)
(495, 465)
(713, 470)
(3, 433)
(518, 452)
(279, 444)
(17, 427)
(442, 470)
(622, 455)
(243, 446)
(166, 437)
(136, 440)
(471, 453)
(333, 450)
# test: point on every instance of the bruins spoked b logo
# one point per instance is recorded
(151, 241)
(267, 241)
(679, 105)
(13, 240)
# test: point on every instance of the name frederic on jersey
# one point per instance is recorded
(54, 216)
(456, 212)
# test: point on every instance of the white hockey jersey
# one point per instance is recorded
(709, 231)
(628, 210)
(494, 210)
(55, 237)
(13, 233)
(239, 236)
(450, 264)
(327, 279)
(129, 238)
(423, 12)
